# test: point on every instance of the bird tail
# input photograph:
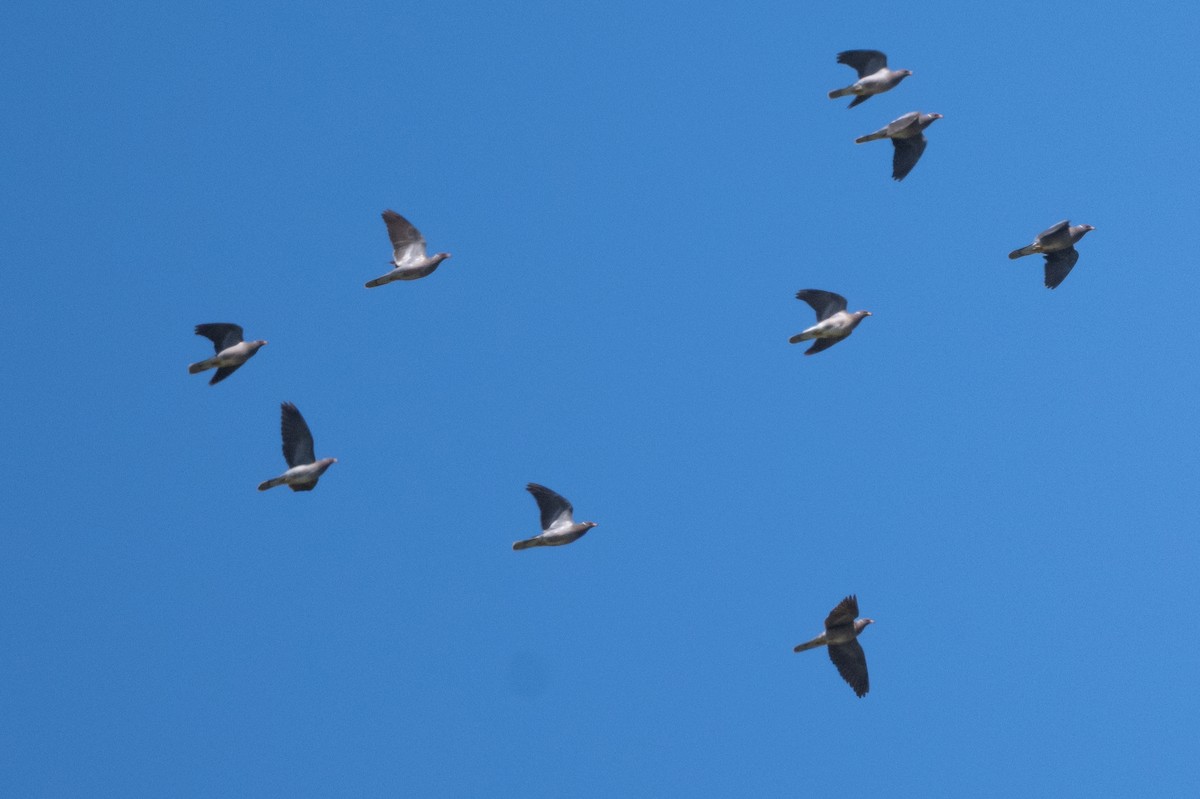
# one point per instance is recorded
(200, 366)
(813, 644)
(379, 281)
(274, 481)
(836, 93)
(796, 339)
(526, 544)
(879, 134)
(1030, 250)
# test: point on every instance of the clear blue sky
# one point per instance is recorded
(1005, 475)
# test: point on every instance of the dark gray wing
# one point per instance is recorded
(223, 335)
(303, 486)
(820, 344)
(1058, 265)
(1056, 234)
(222, 373)
(859, 98)
(554, 507)
(851, 663)
(825, 303)
(908, 152)
(844, 614)
(407, 241)
(297, 439)
(864, 62)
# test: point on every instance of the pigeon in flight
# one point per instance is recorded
(303, 467)
(834, 322)
(908, 137)
(409, 260)
(842, 629)
(873, 75)
(558, 523)
(1057, 243)
(232, 352)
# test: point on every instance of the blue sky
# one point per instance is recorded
(1005, 475)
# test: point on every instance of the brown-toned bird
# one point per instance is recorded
(842, 628)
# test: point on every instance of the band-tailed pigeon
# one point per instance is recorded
(834, 323)
(908, 137)
(842, 629)
(873, 75)
(558, 523)
(303, 467)
(1057, 243)
(409, 260)
(231, 350)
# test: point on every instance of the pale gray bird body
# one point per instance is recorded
(834, 322)
(842, 628)
(908, 138)
(409, 261)
(304, 468)
(231, 350)
(1057, 243)
(558, 522)
(874, 77)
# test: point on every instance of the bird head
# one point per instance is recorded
(906, 73)
(260, 343)
(863, 314)
(861, 625)
(590, 525)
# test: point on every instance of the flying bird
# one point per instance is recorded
(558, 522)
(873, 75)
(834, 323)
(1057, 243)
(303, 467)
(908, 137)
(409, 260)
(232, 351)
(842, 629)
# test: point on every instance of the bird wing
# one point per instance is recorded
(1057, 233)
(825, 303)
(407, 242)
(222, 373)
(908, 152)
(820, 344)
(900, 123)
(1058, 265)
(844, 614)
(223, 335)
(851, 663)
(865, 62)
(297, 439)
(556, 510)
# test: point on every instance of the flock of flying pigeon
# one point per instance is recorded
(410, 261)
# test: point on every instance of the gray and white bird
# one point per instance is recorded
(1057, 243)
(842, 628)
(558, 522)
(834, 322)
(232, 351)
(303, 467)
(908, 137)
(409, 260)
(874, 77)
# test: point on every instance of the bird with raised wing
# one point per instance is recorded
(842, 628)
(409, 261)
(874, 77)
(1057, 243)
(908, 138)
(232, 351)
(303, 467)
(558, 520)
(834, 322)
